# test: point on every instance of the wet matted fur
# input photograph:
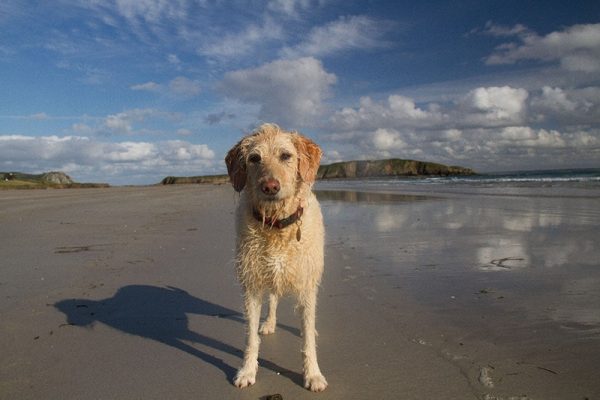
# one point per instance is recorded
(280, 237)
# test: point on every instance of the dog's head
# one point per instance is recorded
(272, 163)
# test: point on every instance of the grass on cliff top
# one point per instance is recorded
(21, 184)
(24, 184)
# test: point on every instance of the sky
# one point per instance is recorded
(131, 91)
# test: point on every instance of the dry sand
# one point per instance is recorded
(129, 293)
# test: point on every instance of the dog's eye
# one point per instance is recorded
(254, 158)
(285, 156)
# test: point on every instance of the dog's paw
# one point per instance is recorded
(244, 378)
(267, 328)
(315, 383)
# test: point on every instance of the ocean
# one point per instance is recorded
(563, 182)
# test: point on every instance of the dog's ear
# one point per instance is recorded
(309, 157)
(236, 167)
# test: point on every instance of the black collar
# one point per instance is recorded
(279, 223)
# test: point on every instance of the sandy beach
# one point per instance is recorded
(129, 293)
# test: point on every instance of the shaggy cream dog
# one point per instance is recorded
(280, 237)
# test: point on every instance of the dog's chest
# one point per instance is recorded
(269, 262)
(276, 267)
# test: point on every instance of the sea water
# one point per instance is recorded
(570, 182)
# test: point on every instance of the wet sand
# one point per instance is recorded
(128, 293)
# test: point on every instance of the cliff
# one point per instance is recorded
(390, 167)
(56, 180)
(211, 179)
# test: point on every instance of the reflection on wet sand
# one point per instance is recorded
(508, 287)
(535, 251)
(367, 197)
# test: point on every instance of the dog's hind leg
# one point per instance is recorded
(313, 378)
(246, 375)
(268, 326)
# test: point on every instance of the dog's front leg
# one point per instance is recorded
(313, 378)
(246, 375)
(268, 326)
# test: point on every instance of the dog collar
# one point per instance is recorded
(279, 223)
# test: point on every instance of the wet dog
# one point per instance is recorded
(280, 237)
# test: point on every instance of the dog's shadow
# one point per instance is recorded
(160, 314)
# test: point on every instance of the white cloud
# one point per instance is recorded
(179, 150)
(129, 152)
(289, 7)
(120, 123)
(518, 133)
(388, 140)
(567, 106)
(505, 101)
(405, 108)
(554, 99)
(584, 139)
(150, 22)
(488, 127)
(39, 116)
(179, 87)
(290, 92)
(509, 148)
(152, 10)
(346, 33)
(527, 136)
(452, 134)
(82, 129)
(480, 108)
(124, 122)
(331, 156)
(148, 86)
(496, 30)
(88, 159)
(495, 105)
(546, 138)
(232, 45)
(397, 112)
(587, 98)
(576, 48)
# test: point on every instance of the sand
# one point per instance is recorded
(129, 293)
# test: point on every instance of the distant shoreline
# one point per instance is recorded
(356, 169)
(30, 181)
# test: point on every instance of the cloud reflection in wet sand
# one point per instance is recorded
(537, 250)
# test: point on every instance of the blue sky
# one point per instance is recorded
(130, 91)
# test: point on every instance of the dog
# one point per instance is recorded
(280, 238)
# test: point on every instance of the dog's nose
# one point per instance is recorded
(270, 187)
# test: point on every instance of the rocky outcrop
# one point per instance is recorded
(210, 179)
(390, 167)
(56, 178)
